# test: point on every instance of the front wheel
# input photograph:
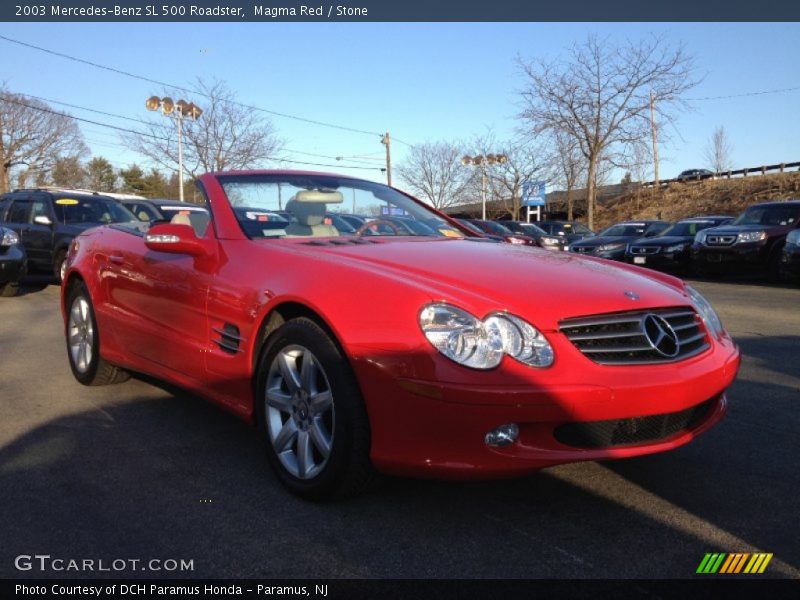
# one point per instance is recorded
(311, 413)
(60, 266)
(83, 342)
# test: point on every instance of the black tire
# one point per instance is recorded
(775, 271)
(58, 264)
(95, 370)
(347, 469)
(9, 290)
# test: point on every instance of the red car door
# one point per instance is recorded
(159, 304)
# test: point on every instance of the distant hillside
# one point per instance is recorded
(681, 200)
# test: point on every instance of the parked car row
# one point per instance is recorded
(762, 240)
(39, 224)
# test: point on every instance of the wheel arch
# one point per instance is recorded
(279, 314)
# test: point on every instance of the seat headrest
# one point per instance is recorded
(307, 213)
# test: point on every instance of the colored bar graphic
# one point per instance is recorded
(723, 563)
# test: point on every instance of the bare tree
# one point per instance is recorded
(719, 150)
(33, 137)
(228, 135)
(600, 96)
(569, 166)
(525, 161)
(433, 172)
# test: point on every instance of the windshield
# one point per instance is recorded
(494, 228)
(770, 215)
(556, 228)
(625, 230)
(91, 210)
(304, 205)
(687, 228)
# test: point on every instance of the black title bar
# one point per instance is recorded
(399, 10)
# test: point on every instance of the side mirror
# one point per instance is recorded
(175, 239)
(43, 220)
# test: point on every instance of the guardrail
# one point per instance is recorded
(762, 170)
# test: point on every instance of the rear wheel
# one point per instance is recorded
(83, 342)
(311, 413)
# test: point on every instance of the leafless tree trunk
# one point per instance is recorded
(569, 164)
(227, 136)
(719, 150)
(33, 137)
(600, 96)
(433, 172)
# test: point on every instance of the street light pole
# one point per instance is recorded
(483, 162)
(181, 109)
(180, 156)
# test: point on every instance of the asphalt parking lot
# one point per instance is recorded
(140, 470)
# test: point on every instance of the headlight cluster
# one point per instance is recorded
(793, 237)
(549, 241)
(9, 238)
(675, 248)
(700, 237)
(481, 344)
(709, 316)
(609, 247)
(751, 236)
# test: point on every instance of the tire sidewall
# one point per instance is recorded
(79, 291)
(347, 402)
(60, 257)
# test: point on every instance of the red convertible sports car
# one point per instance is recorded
(438, 354)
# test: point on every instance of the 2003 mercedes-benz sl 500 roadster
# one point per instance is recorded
(434, 354)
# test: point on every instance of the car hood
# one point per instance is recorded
(723, 229)
(540, 285)
(664, 240)
(606, 239)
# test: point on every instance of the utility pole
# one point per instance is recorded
(387, 141)
(655, 143)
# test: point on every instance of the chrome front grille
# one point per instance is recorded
(643, 337)
(644, 249)
(720, 240)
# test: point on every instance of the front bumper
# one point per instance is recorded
(663, 261)
(424, 427)
(728, 258)
(12, 264)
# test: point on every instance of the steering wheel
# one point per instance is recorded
(396, 230)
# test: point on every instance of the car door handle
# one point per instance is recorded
(117, 259)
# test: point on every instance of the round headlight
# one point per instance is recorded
(707, 313)
(9, 237)
(467, 340)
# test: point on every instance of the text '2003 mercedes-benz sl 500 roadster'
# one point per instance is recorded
(407, 346)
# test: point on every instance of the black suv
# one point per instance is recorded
(47, 220)
(754, 241)
(569, 231)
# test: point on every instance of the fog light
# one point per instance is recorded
(503, 435)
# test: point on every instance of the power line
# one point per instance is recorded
(118, 116)
(184, 89)
(745, 94)
(5, 98)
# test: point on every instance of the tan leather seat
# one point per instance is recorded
(310, 220)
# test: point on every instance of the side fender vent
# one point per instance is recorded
(229, 339)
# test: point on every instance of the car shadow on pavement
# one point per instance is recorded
(32, 284)
(175, 477)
